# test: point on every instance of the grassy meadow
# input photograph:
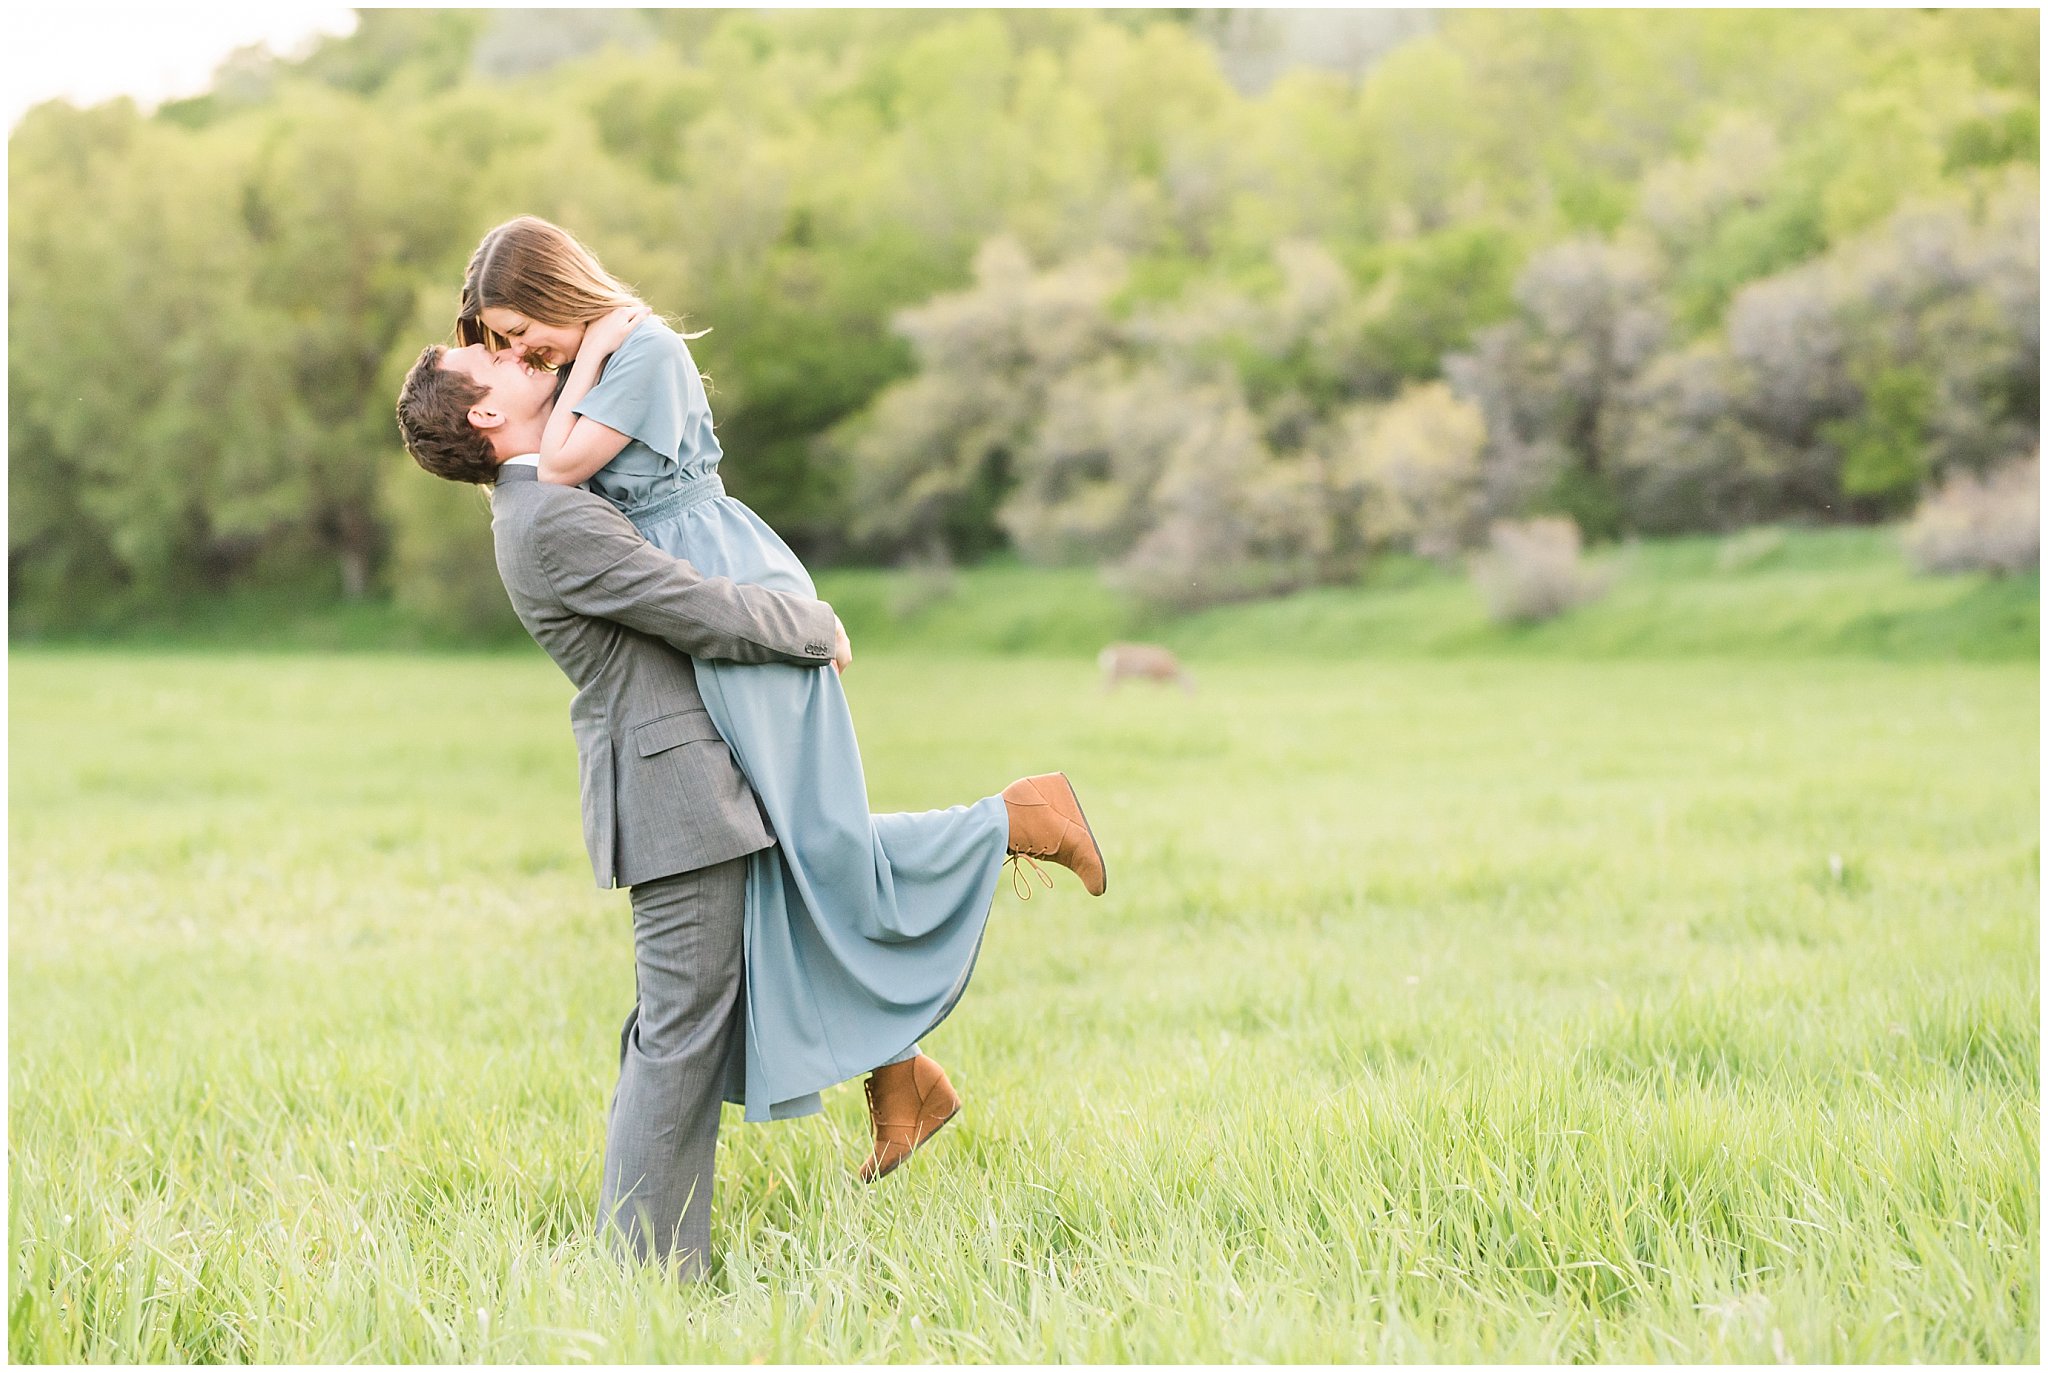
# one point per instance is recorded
(1566, 994)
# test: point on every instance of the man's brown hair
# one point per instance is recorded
(433, 419)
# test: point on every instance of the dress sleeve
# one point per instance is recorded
(644, 390)
(598, 566)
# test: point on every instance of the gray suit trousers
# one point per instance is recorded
(663, 1131)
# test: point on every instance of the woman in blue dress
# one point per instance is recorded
(861, 930)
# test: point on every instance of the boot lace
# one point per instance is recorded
(1016, 864)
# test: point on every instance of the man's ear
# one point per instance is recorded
(486, 420)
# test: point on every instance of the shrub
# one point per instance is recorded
(1414, 466)
(1232, 521)
(1981, 524)
(1531, 571)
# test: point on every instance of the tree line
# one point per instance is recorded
(1044, 281)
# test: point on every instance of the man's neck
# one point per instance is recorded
(507, 444)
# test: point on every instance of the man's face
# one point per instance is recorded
(515, 394)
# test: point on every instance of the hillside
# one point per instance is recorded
(1765, 593)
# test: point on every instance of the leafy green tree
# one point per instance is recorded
(1430, 153)
(413, 52)
(153, 395)
(1430, 298)
(346, 221)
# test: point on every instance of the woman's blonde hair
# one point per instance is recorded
(539, 270)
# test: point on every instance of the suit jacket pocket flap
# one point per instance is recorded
(684, 727)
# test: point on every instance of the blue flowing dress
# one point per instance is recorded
(861, 929)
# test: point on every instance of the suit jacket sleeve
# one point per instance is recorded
(599, 566)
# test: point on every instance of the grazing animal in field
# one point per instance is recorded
(1149, 661)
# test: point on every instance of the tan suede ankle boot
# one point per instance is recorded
(1046, 822)
(907, 1103)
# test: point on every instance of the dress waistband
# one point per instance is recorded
(691, 491)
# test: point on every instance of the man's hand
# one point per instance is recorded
(607, 332)
(842, 647)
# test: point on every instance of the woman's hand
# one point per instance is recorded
(607, 332)
(571, 447)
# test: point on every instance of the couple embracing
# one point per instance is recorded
(785, 939)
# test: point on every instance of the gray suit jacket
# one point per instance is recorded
(661, 792)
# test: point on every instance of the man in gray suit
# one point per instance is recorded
(666, 810)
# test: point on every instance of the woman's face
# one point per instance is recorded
(553, 345)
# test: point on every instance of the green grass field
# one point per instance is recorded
(1467, 1005)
